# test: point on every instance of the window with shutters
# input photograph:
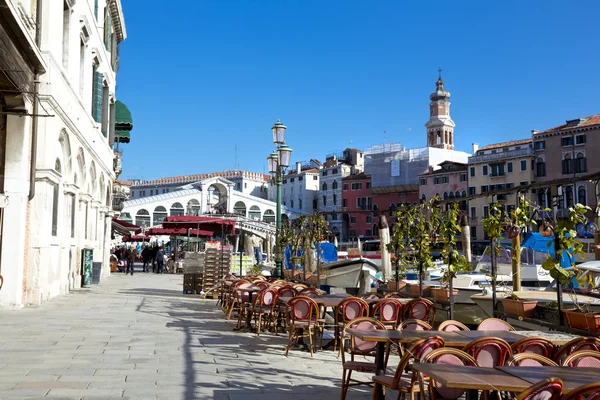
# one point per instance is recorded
(334, 185)
(540, 167)
(581, 197)
(509, 167)
(335, 199)
(523, 165)
(580, 163)
(567, 165)
(97, 95)
(344, 202)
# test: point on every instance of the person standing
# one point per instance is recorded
(146, 258)
(257, 244)
(160, 259)
(131, 256)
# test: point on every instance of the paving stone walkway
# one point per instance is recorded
(139, 337)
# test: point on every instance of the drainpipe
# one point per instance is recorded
(36, 89)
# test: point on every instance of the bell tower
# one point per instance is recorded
(440, 127)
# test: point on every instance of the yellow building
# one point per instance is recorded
(493, 169)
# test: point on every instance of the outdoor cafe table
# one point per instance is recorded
(472, 378)
(572, 377)
(457, 339)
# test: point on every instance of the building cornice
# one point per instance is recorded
(566, 132)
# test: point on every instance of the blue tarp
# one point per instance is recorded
(328, 254)
(542, 244)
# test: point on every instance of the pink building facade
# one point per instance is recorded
(449, 182)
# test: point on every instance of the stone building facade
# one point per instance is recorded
(59, 165)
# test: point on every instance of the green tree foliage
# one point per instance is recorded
(449, 230)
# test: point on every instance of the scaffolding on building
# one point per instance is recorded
(391, 164)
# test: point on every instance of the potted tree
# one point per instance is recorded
(567, 246)
(456, 263)
(400, 245)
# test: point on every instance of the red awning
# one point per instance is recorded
(190, 221)
(136, 238)
(125, 228)
(178, 232)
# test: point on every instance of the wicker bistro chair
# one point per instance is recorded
(388, 311)
(530, 360)
(451, 325)
(287, 291)
(230, 295)
(583, 358)
(263, 309)
(310, 292)
(349, 309)
(358, 348)
(414, 325)
(537, 345)
(548, 389)
(580, 343)
(591, 391)
(447, 356)
(405, 381)
(239, 297)
(489, 351)
(420, 308)
(303, 321)
(494, 324)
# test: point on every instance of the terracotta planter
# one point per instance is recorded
(442, 295)
(593, 321)
(413, 290)
(576, 319)
(522, 308)
(396, 286)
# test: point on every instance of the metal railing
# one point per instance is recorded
(501, 155)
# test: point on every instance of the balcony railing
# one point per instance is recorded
(500, 155)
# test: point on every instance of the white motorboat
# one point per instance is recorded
(359, 273)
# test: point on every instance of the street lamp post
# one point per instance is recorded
(278, 160)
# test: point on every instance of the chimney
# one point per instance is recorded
(298, 167)
(475, 147)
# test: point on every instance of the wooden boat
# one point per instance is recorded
(355, 273)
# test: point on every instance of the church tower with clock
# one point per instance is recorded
(440, 127)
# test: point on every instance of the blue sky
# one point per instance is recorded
(202, 77)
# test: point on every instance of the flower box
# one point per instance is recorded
(593, 321)
(396, 286)
(442, 295)
(576, 319)
(413, 290)
(522, 308)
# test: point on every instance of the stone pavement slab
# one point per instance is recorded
(139, 337)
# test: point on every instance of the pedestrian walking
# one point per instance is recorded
(160, 260)
(131, 256)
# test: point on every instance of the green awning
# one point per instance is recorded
(123, 120)
(122, 136)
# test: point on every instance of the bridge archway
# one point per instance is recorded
(240, 208)
(269, 216)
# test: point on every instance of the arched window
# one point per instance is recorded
(569, 196)
(567, 165)
(334, 185)
(375, 230)
(254, 213)
(457, 194)
(142, 218)
(57, 166)
(540, 167)
(450, 196)
(438, 196)
(240, 208)
(581, 197)
(269, 216)
(423, 198)
(580, 163)
(177, 210)
(445, 195)
(193, 207)
(464, 193)
(324, 186)
(159, 214)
